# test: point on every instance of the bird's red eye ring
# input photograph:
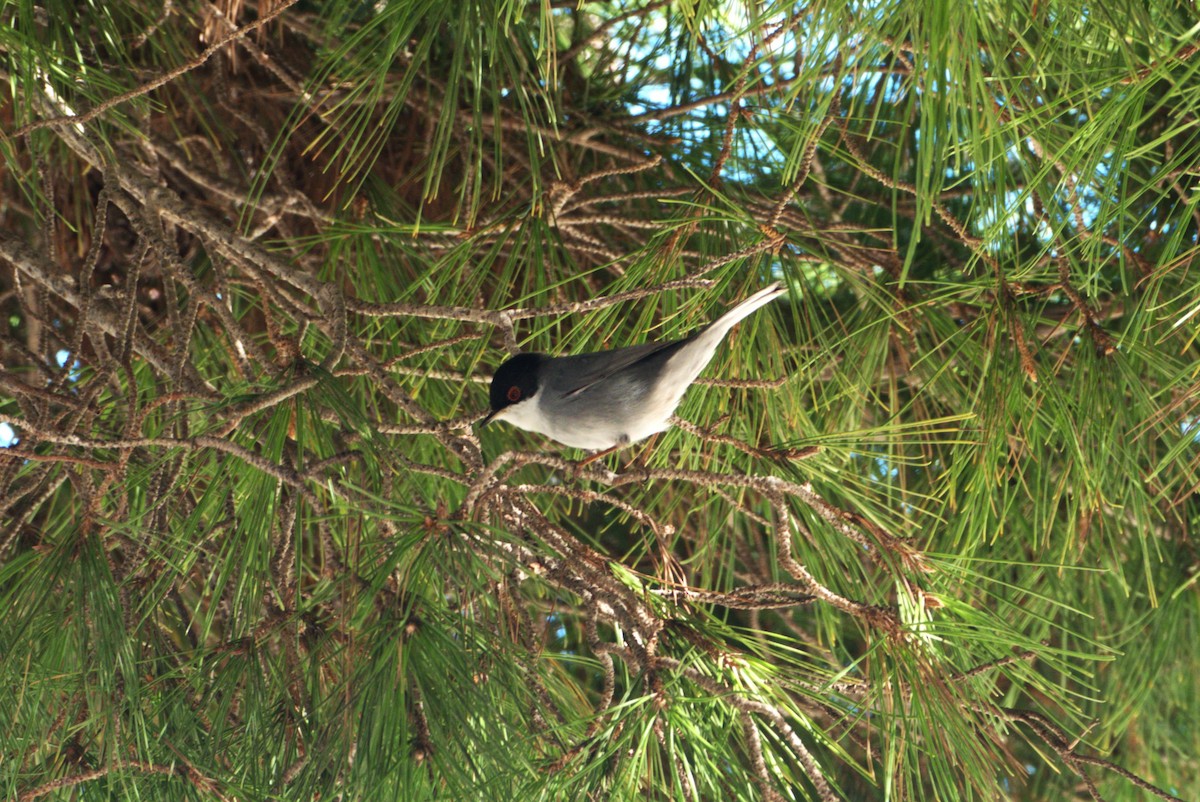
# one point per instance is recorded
(514, 394)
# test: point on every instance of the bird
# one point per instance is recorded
(604, 400)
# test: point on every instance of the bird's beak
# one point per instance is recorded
(491, 416)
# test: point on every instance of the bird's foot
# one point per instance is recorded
(583, 463)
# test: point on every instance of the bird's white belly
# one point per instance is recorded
(588, 434)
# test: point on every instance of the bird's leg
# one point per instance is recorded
(624, 441)
(598, 455)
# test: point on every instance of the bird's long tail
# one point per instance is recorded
(727, 321)
(691, 355)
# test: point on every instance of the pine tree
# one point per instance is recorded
(923, 530)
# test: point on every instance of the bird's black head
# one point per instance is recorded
(515, 381)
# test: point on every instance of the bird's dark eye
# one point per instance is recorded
(514, 394)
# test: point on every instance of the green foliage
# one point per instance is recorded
(924, 530)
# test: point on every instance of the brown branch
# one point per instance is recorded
(505, 318)
(1182, 54)
(601, 30)
(198, 443)
(749, 706)
(772, 596)
(202, 784)
(101, 313)
(162, 80)
(1068, 752)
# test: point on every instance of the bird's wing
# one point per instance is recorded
(586, 370)
(589, 369)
